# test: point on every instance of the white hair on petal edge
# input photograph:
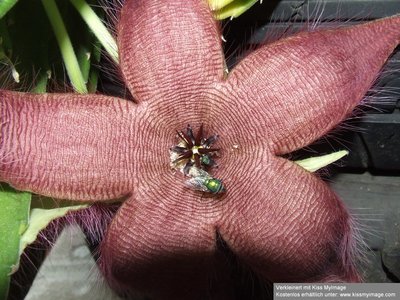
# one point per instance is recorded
(93, 221)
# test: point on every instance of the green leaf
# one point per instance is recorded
(234, 9)
(313, 164)
(94, 71)
(65, 44)
(41, 82)
(5, 6)
(20, 224)
(88, 53)
(39, 219)
(83, 55)
(14, 213)
(97, 27)
(218, 4)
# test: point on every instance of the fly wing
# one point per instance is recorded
(196, 183)
(196, 172)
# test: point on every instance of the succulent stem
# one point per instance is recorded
(98, 28)
(64, 42)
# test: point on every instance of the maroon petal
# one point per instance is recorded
(162, 242)
(295, 90)
(168, 49)
(286, 224)
(67, 145)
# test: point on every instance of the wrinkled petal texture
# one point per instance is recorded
(305, 85)
(169, 49)
(72, 146)
(163, 243)
(287, 230)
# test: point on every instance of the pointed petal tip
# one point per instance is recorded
(335, 66)
(379, 32)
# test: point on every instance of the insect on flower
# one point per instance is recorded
(202, 181)
(193, 150)
(192, 155)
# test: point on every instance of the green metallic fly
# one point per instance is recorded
(202, 181)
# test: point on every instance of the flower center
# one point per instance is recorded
(195, 150)
(193, 155)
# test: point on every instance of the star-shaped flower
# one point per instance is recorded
(278, 219)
